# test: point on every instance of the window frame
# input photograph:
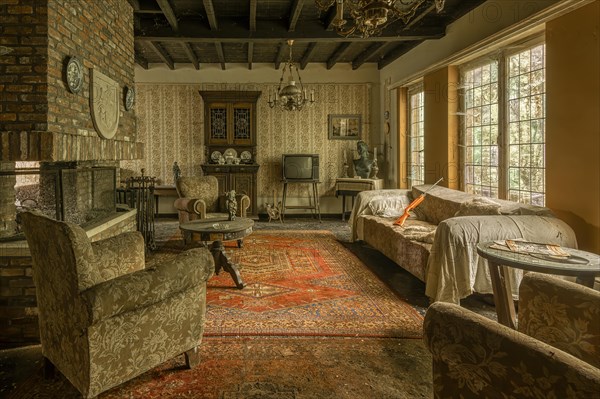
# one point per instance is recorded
(503, 140)
(415, 89)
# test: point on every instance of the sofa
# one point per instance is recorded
(438, 243)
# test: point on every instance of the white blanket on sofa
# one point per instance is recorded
(455, 270)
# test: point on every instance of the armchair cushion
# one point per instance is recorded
(562, 314)
(145, 287)
(475, 357)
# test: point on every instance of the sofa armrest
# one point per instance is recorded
(562, 314)
(119, 255)
(191, 205)
(476, 357)
(146, 287)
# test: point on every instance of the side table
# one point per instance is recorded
(352, 186)
(583, 265)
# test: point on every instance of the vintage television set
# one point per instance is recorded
(300, 167)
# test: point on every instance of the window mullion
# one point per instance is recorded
(503, 136)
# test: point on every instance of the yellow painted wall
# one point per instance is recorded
(441, 126)
(573, 122)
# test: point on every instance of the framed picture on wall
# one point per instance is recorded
(345, 127)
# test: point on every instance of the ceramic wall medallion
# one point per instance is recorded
(74, 75)
(129, 98)
(105, 100)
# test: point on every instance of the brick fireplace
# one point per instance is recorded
(41, 121)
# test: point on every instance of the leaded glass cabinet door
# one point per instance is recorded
(242, 124)
(218, 123)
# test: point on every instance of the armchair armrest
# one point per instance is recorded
(244, 203)
(148, 286)
(119, 255)
(476, 357)
(562, 314)
(191, 205)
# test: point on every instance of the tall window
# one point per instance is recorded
(504, 125)
(416, 136)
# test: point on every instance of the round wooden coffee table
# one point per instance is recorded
(583, 265)
(218, 231)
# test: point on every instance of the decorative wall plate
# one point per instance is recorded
(215, 156)
(230, 153)
(129, 98)
(246, 156)
(74, 75)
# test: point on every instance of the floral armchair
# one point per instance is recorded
(104, 318)
(199, 198)
(555, 353)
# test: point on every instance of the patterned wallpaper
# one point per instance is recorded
(170, 123)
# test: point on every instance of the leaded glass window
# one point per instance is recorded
(218, 123)
(241, 123)
(416, 136)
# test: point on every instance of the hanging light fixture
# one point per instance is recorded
(370, 17)
(291, 97)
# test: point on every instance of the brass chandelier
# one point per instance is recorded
(291, 97)
(370, 17)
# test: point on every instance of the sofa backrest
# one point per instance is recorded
(442, 203)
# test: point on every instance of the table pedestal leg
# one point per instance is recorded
(222, 261)
(505, 306)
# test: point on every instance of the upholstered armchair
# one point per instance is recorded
(104, 318)
(555, 353)
(199, 198)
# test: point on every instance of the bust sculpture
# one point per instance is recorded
(362, 165)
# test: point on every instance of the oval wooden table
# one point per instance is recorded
(585, 266)
(218, 231)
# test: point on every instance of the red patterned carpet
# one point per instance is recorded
(304, 284)
(313, 322)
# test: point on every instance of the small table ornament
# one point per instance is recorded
(231, 204)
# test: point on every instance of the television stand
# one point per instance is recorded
(313, 203)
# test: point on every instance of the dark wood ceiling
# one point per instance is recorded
(256, 31)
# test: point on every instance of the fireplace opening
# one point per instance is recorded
(84, 194)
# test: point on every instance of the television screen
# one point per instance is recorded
(300, 166)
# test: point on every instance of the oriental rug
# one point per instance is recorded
(267, 368)
(304, 284)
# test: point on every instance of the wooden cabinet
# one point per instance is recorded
(241, 178)
(230, 118)
(230, 124)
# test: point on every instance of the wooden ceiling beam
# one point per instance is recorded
(141, 61)
(370, 52)
(164, 56)
(252, 21)
(419, 17)
(337, 54)
(191, 55)
(220, 54)
(169, 13)
(250, 54)
(295, 14)
(210, 15)
(306, 56)
(270, 32)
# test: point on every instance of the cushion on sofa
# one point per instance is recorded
(440, 203)
(386, 206)
(390, 240)
(479, 206)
